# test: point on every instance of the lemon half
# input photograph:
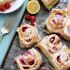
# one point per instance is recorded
(33, 7)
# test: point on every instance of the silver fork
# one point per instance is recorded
(7, 27)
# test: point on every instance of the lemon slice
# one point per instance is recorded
(33, 7)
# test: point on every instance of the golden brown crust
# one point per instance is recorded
(30, 60)
(50, 45)
(54, 22)
(57, 54)
(62, 58)
(58, 22)
(28, 35)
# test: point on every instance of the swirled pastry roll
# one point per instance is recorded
(55, 22)
(61, 59)
(59, 22)
(28, 35)
(50, 45)
(49, 3)
(30, 60)
(57, 54)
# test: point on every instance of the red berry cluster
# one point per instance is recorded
(5, 7)
(30, 18)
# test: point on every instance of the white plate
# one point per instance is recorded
(14, 6)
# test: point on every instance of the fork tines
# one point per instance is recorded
(9, 22)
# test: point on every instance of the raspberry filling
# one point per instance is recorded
(62, 58)
(55, 41)
(31, 62)
(52, 39)
(54, 48)
(50, 51)
(69, 55)
(28, 40)
(58, 58)
(58, 18)
(22, 61)
(26, 67)
(24, 28)
(27, 59)
(5, 7)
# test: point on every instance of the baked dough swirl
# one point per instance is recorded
(55, 21)
(50, 45)
(62, 59)
(57, 54)
(30, 60)
(59, 22)
(28, 35)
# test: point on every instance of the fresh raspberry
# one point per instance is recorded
(30, 18)
(32, 23)
(7, 5)
(27, 16)
(2, 8)
(33, 18)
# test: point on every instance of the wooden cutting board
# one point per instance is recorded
(7, 39)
